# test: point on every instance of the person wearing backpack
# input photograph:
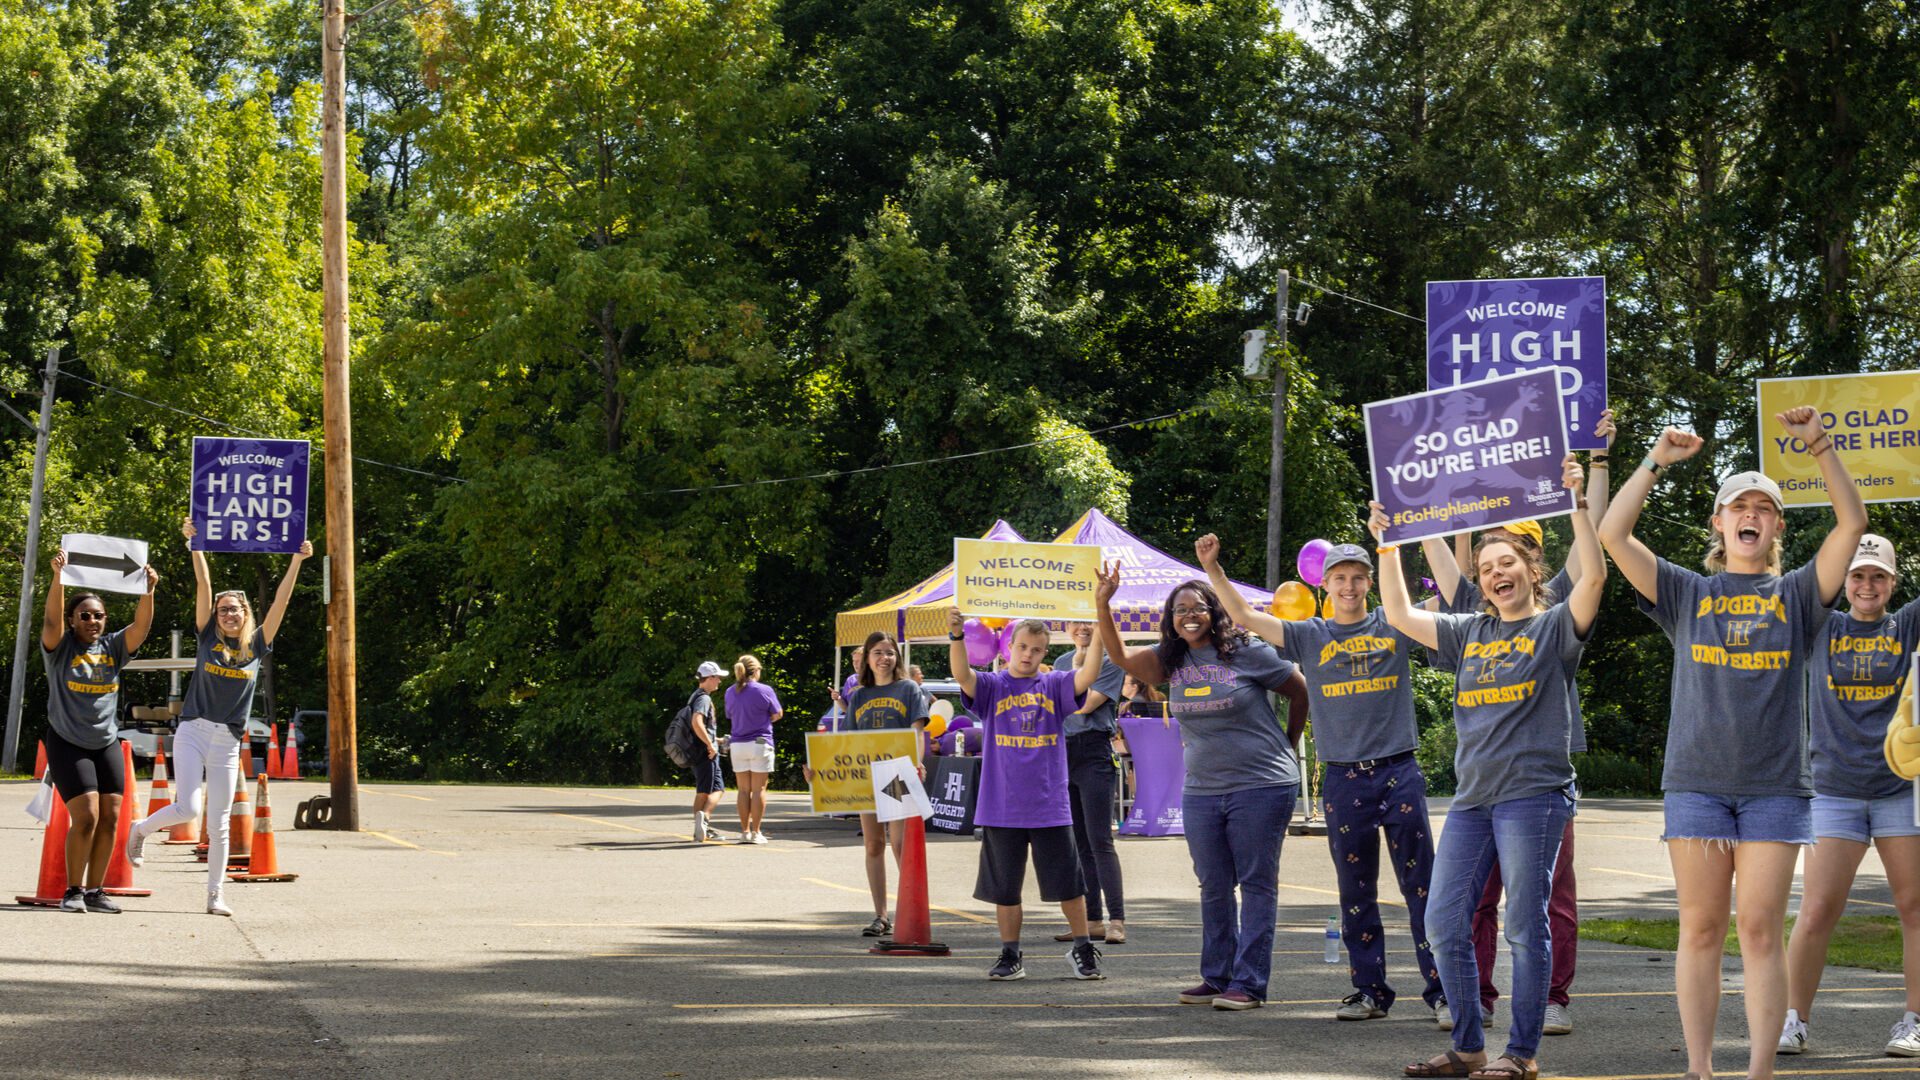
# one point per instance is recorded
(704, 753)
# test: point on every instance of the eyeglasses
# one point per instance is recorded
(1200, 610)
(90, 616)
(229, 611)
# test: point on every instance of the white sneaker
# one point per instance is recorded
(217, 904)
(759, 837)
(1793, 1035)
(713, 834)
(1558, 1021)
(1906, 1037)
(136, 845)
(746, 837)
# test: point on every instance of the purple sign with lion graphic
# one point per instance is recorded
(1492, 329)
(1471, 457)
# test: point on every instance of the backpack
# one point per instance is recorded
(681, 745)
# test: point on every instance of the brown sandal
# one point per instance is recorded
(1506, 1067)
(1455, 1066)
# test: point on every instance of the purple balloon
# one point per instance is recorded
(982, 642)
(960, 723)
(1312, 562)
(1005, 647)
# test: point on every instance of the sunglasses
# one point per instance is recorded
(90, 616)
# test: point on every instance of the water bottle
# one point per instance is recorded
(1333, 940)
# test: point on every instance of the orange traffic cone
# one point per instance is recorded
(53, 861)
(119, 881)
(912, 917)
(160, 796)
(239, 829)
(39, 760)
(290, 757)
(273, 757)
(265, 864)
(246, 756)
(190, 831)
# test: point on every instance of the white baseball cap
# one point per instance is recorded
(1740, 483)
(1874, 551)
(709, 669)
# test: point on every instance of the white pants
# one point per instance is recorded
(202, 748)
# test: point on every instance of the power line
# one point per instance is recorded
(1182, 414)
(1357, 300)
(205, 419)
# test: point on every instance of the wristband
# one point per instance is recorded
(1596, 461)
(956, 637)
(1386, 549)
(1581, 502)
(1820, 446)
(1651, 465)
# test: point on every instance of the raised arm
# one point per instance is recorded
(1394, 601)
(1634, 558)
(1088, 671)
(1142, 664)
(142, 624)
(285, 593)
(1207, 550)
(1849, 509)
(202, 584)
(1445, 562)
(957, 652)
(53, 621)
(1583, 600)
(1596, 487)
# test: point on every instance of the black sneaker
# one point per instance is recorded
(97, 900)
(1009, 967)
(74, 899)
(1086, 962)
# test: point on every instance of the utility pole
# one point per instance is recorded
(343, 758)
(41, 431)
(1277, 466)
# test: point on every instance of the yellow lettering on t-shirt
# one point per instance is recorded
(1495, 695)
(226, 672)
(1026, 742)
(78, 687)
(1748, 604)
(1358, 644)
(1772, 660)
(1503, 647)
(1359, 686)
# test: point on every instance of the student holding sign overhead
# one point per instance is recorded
(1513, 662)
(882, 700)
(84, 662)
(213, 722)
(1738, 790)
(1862, 659)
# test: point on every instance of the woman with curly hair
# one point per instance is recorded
(1242, 777)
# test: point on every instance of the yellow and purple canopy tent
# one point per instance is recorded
(915, 614)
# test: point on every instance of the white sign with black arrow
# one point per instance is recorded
(107, 563)
(897, 791)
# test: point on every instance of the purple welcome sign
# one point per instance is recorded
(1490, 329)
(249, 495)
(1475, 457)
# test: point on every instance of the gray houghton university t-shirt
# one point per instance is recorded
(83, 688)
(1231, 737)
(1510, 702)
(899, 704)
(222, 686)
(1740, 649)
(1857, 671)
(1467, 599)
(1358, 684)
(1109, 682)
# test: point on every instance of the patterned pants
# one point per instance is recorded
(1362, 803)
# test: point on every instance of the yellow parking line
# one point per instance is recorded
(682, 837)
(969, 916)
(407, 844)
(396, 794)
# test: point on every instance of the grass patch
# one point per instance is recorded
(1862, 941)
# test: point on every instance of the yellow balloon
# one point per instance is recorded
(1293, 601)
(994, 624)
(1326, 607)
(936, 725)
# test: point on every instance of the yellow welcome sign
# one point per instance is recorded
(842, 766)
(1875, 423)
(1008, 580)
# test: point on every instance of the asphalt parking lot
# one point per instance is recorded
(579, 932)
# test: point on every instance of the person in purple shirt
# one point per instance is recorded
(752, 710)
(1023, 802)
(837, 719)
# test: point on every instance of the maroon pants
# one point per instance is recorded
(1563, 924)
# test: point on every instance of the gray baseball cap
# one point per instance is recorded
(709, 669)
(1740, 483)
(1340, 553)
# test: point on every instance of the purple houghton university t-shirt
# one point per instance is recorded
(1023, 768)
(750, 709)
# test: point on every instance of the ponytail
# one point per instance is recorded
(745, 668)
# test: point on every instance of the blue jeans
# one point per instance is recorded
(1235, 841)
(1525, 836)
(1361, 803)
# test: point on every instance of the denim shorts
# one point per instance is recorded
(1861, 820)
(1733, 819)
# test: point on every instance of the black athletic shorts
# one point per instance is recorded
(1003, 864)
(706, 771)
(77, 771)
